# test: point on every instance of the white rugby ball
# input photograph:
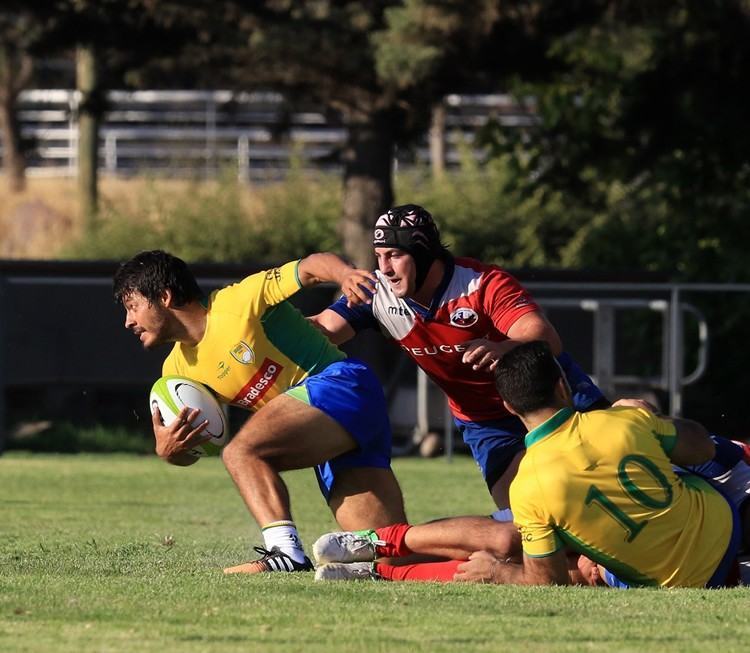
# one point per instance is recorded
(172, 393)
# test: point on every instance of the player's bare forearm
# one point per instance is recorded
(482, 567)
(535, 326)
(322, 267)
(356, 285)
(333, 326)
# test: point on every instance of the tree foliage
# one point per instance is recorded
(641, 135)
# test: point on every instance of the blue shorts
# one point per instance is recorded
(349, 392)
(494, 443)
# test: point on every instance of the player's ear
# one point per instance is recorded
(166, 298)
(509, 408)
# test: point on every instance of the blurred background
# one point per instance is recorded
(599, 150)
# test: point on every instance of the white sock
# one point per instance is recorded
(283, 534)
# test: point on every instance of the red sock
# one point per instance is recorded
(441, 572)
(393, 536)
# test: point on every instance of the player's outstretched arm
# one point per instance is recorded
(483, 567)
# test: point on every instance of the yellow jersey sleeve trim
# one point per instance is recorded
(296, 271)
(543, 555)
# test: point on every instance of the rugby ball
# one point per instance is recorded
(172, 393)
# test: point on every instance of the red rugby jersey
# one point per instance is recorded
(474, 300)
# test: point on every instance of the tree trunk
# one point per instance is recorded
(437, 141)
(15, 73)
(89, 112)
(14, 161)
(368, 184)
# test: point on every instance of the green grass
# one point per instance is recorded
(124, 553)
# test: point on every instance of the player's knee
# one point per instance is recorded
(238, 453)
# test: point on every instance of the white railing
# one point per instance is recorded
(184, 132)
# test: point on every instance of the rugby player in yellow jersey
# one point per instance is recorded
(311, 405)
(600, 484)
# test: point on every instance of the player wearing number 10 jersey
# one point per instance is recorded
(600, 484)
(617, 500)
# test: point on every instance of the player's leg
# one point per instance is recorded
(497, 447)
(454, 537)
(285, 434)
(459, 537)
(335, 421)
(359, 485)
(366, 497)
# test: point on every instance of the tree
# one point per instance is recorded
(642, 111)
(378, 65)
(91, 31)
(17, 36)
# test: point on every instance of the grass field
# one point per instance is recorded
(124, 553)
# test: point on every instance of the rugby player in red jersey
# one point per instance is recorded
(455, 317)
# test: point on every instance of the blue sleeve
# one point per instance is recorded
(585, 392)
(359, 317)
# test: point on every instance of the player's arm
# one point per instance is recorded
(356, 285)
(693, 445)
(483, 567)
(485, 354)
(336, 328)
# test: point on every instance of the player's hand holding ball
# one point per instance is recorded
(187, 419)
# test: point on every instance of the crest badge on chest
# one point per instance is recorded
(464, 317)
(242, 353)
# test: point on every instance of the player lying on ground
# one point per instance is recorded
(312, 407)
(455, 317)
(616, 501)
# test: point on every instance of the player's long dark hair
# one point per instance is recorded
(151, 273)
(526, 377)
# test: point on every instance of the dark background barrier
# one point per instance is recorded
(66, 356)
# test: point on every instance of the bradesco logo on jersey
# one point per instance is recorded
(255, 389)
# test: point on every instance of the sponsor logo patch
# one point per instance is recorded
(464, 317)
(435, 350)
(223, 370)
(256, 388)
(243, 353)
(379, 236)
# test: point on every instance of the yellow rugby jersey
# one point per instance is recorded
(602, 483)
(256, 344)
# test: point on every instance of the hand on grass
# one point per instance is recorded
(479, 568)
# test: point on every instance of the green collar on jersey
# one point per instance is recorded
(548, 426)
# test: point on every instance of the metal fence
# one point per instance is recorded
(202, 132)
(64, 351)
